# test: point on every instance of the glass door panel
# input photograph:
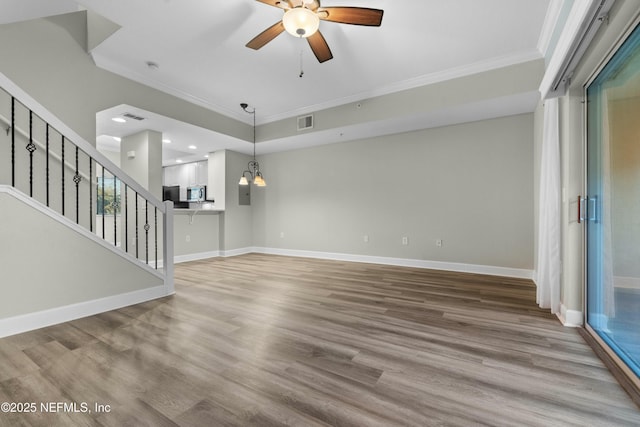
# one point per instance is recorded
(612, 204)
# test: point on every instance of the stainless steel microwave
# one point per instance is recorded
(197, 193)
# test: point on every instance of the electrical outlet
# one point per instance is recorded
(365, 238)
(282, 234)
(405, 240)
(188, 238)
(439, 243)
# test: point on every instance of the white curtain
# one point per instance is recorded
(548, 269)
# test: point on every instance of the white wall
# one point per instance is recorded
(470, 185)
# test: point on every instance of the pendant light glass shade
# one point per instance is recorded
(301, 22)
(259, 181)
(243, 180)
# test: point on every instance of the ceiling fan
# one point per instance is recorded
(302, 19)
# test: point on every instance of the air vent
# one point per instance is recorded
(305, 122)
(133, 116)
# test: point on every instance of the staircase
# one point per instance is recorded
(49, 173)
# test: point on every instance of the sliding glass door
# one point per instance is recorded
(612, 205)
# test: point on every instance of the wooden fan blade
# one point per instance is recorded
(319, 47)
(266, 36)
(282, 4)
(352, 15)
(313, 5)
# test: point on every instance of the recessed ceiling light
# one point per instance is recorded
(119, 120)
(192, 147)
(166, 141)
(117, 138)
(178, 161)
(206, 156)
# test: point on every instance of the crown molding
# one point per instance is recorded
(424, 80)
(549, 25)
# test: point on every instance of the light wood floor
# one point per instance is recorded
(264, 340)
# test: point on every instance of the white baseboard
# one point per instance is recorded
(570, 318)
(211, 254)
(195, 257)
(236, 252)
(40, 319)
(403, 262)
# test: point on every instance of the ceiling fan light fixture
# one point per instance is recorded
(301, 22)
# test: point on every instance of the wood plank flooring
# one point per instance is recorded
(259, 340)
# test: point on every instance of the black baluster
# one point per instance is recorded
(77, 178)
(91, 219)
(146, 230)
(31, 147)
(62, 162)
(126, 219)
(13, 141)
(47, 165)
(155, 221)
(137, 242)
(104, 236)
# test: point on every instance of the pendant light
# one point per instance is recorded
(252, 173)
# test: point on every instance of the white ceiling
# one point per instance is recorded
(200, 49)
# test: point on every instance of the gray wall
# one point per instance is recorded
(114, 156)
(195, 234)
(48, 265)
(146, 165)
(236, 225)
(38, 181)
(427, 100)
(470, 185)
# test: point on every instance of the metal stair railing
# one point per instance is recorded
(43, 158)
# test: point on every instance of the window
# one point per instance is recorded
(108, 196)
